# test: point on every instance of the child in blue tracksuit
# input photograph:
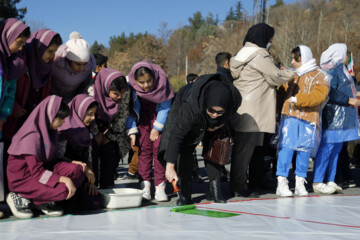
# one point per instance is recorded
(152, 96)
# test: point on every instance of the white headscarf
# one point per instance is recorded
(334, 55)
(307, 60)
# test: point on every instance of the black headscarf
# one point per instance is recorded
(217, 94)
(259, 34)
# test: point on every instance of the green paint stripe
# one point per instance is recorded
(209, 213)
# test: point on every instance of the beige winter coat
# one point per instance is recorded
(256, 77)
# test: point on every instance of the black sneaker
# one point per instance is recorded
(246, 194)
(196, 178)
(19, 206)
(348, 184)
(132, 176)
(50, 209)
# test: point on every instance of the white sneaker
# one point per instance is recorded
(300, 186)
(160, 194)
(334, 185)
(50, 209)
(145, 187)
(323, 188)
(283, 187)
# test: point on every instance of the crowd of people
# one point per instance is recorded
(66, 120)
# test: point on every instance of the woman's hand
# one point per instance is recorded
(357, 94)
(90, 176)
(132, 141)
(93, 191)
(69, 184)
(154, 134)
(215, 128)
(354, 102)
(83, 165)
(170, 173)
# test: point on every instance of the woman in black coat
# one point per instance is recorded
(205, 106)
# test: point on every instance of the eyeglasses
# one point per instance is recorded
(220, 112)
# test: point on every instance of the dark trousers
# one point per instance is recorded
(184, 164)
(343, 172)
(257, 167)
(246, 151)
(103, 163)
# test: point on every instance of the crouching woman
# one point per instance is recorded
(206, 105)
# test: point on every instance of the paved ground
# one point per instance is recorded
(200, 189)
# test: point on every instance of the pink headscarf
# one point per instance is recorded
(35, 136)
(107, 107)
(35, 47)
(74, 129)
(161, 90)
(12, 65)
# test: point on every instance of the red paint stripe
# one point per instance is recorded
(289, 218)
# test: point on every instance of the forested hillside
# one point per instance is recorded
(316, 23)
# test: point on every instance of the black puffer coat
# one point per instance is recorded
(186, 123)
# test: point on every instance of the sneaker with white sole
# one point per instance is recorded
(323, 188)
(334, 185)
(283, 187)
(160, 194)
(145, 187)
(348, 184)
(19, 206)
(50, 209)
(300, 186)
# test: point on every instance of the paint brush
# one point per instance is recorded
(181, 200)
(176, 189)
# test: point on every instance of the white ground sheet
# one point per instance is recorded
(324, 217)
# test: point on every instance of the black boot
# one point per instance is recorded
(210, 193)
(215, 191)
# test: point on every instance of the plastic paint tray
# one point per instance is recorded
(121, 197)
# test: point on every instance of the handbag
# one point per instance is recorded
(220, 150)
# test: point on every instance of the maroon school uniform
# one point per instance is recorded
(30, 171)
(149, 149)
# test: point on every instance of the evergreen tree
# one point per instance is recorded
(238, 11)
(97, 48)
(196, 21)
(230, 15)
(278, 3)
(210, 20)
(8, 9)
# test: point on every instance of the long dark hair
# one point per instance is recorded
(64, 111)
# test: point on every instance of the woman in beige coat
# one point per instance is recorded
(256, 77)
